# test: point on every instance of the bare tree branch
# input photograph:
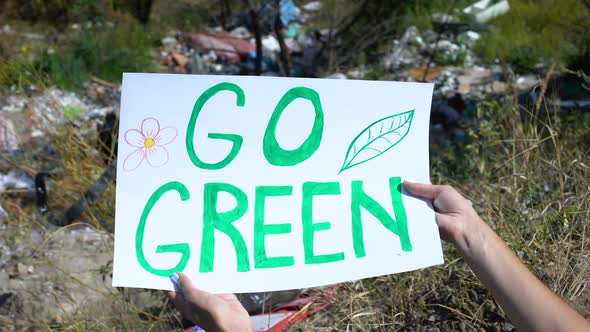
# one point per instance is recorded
(284, 53)
(257, 36)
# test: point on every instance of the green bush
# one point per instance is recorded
(375, 74)
(62, 12)
(419, 13)
(104, 53)
(188, 16)
(538, 31)
(20, 73)
(453, 59)
(523, 59)
(57, 12)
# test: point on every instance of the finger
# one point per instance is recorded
(444, 223)
(179, 303)
(175, 297)
(232, 301)
(202, 301)
(228, 297)
(426, 191)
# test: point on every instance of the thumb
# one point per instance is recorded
(423, 190)
(184, 282)
(203, 302)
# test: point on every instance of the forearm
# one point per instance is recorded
(526, 300)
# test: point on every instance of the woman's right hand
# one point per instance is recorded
(458, 222)
(528, 302)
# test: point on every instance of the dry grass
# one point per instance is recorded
(69, 153)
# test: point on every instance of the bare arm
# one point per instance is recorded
(527, 301)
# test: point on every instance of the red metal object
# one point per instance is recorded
(297, 310)
(242, 47)
(304, 306)
(210, 43)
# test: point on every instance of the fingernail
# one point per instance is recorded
(174, 279)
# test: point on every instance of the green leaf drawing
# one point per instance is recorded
(377, 139)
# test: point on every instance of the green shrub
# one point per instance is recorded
(538, 31)
(375, 74)
(522, 59)
(189, 16)
(452, 59)
(104, 53)
(419, 13)
(62, 12)
(19, 73)
(56, 12)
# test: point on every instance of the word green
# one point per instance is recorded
(217, 223)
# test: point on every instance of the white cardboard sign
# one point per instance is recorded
(251, 184)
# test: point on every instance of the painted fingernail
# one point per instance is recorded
(174, 279)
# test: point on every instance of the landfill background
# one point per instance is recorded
(510, 128)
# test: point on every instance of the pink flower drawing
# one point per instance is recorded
(149, 144)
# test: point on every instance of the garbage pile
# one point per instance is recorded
(26, 118)
(37, 261)
(414, 49)
(447, 60)
(233, 52)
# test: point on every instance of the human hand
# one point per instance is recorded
(457, 221)
(214, 313)
(524, 298)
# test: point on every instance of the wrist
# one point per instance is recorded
(474, 240)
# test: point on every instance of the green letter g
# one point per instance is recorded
(181, 248)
